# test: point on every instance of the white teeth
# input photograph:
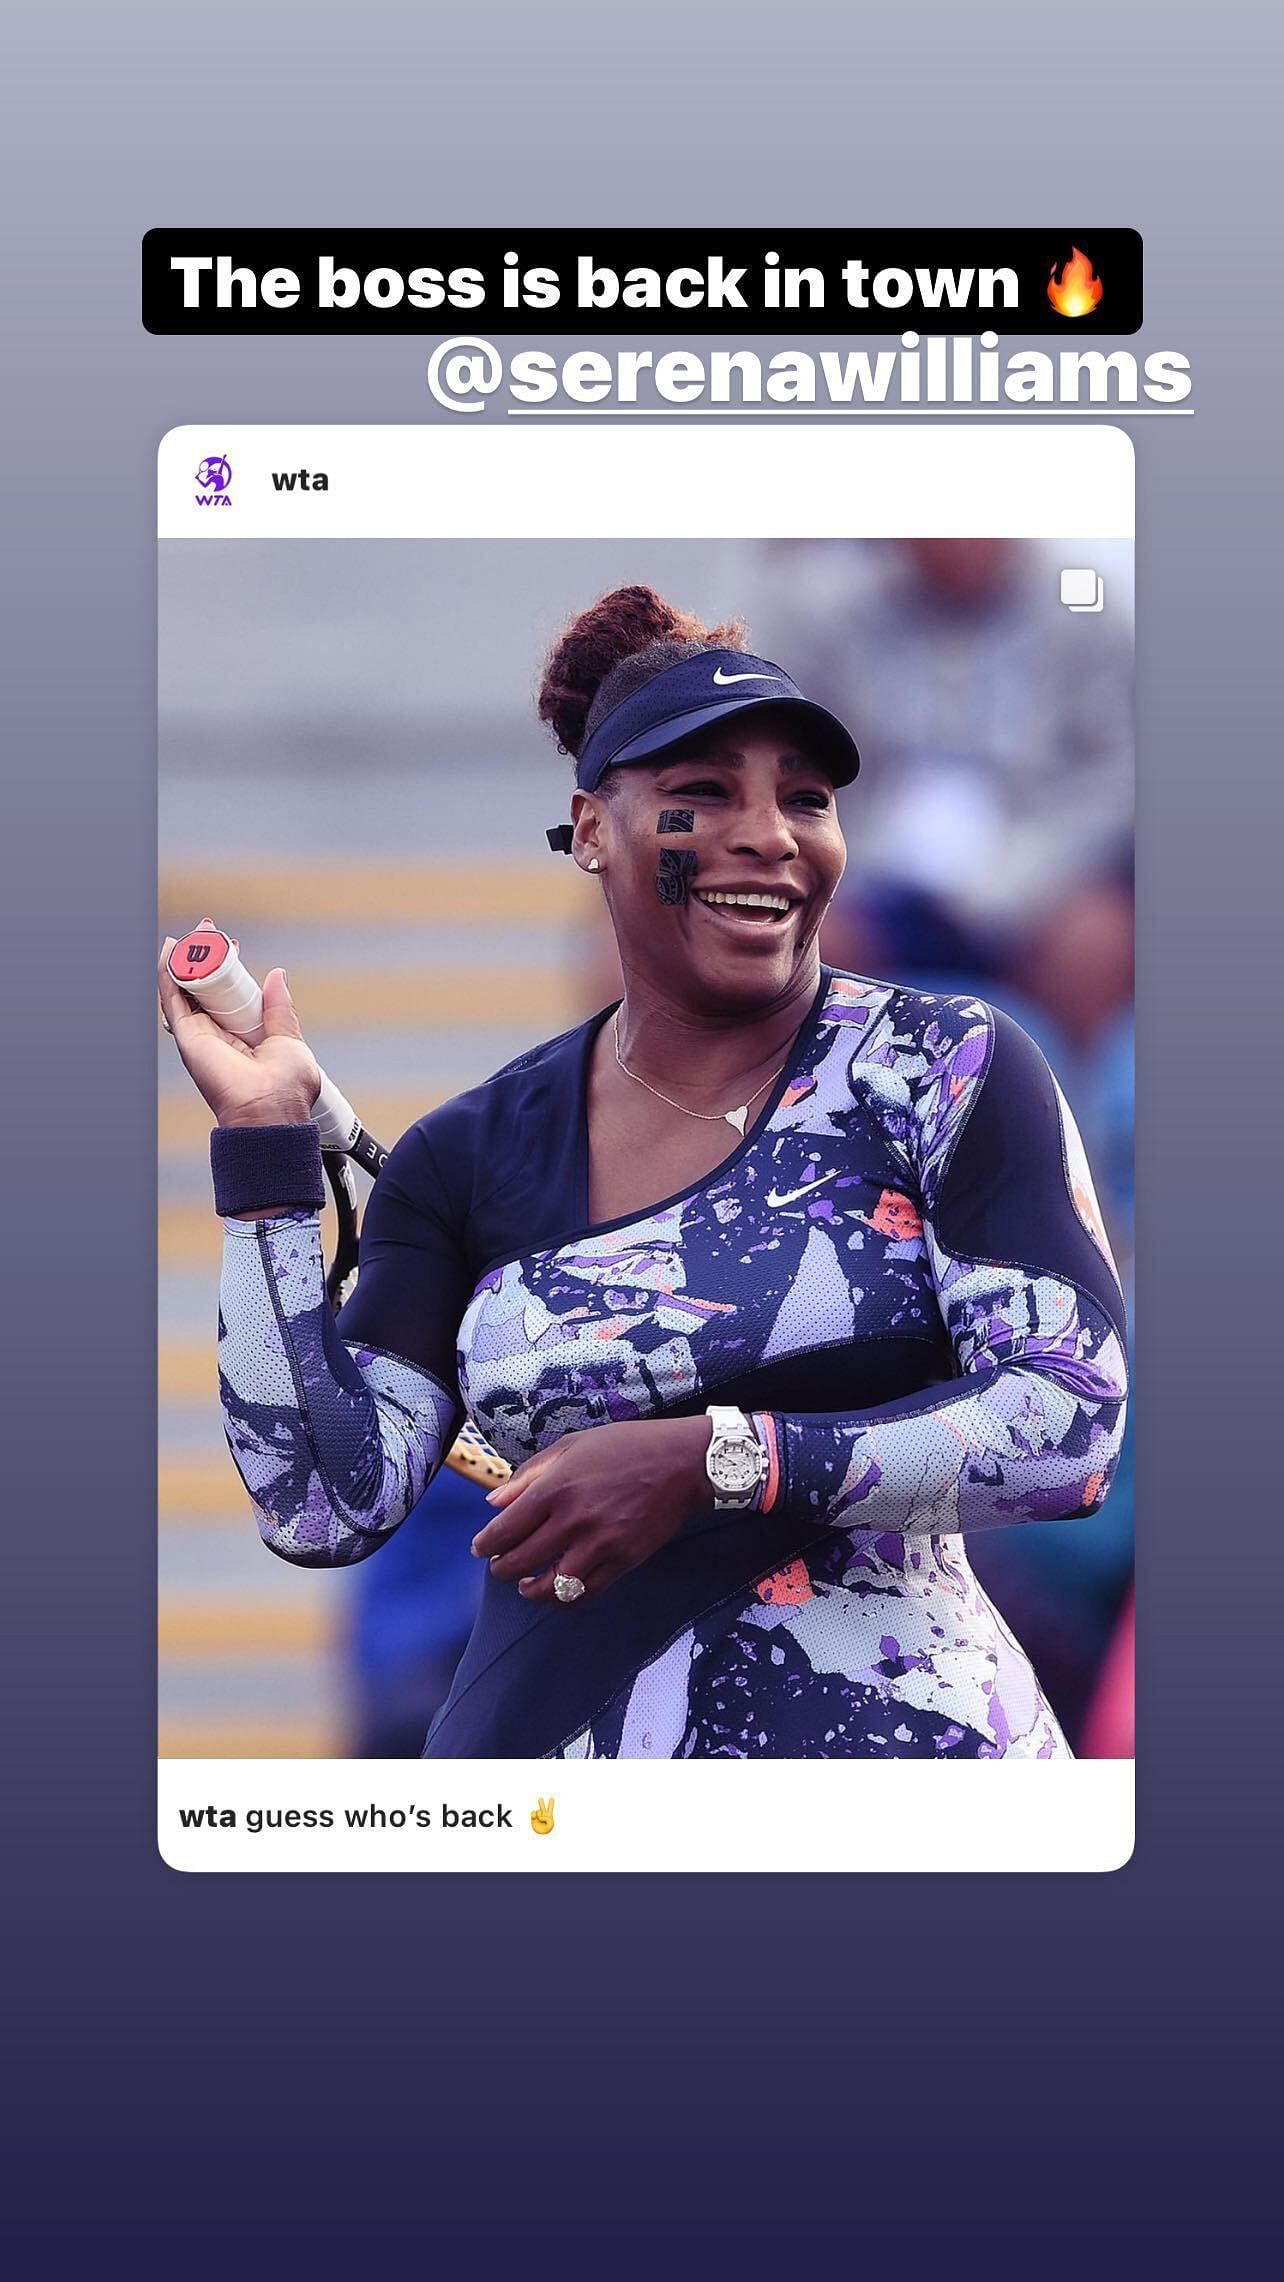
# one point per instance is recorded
(760, 902)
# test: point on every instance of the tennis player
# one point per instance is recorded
(772, 1282)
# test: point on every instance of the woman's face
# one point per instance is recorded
(743, 809)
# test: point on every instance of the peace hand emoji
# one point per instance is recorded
(542, 1818)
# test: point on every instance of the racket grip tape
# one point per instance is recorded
(207, 964)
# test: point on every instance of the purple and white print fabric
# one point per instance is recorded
(334, 1443)
(827, 1249)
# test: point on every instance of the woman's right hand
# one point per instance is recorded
(273, 1083)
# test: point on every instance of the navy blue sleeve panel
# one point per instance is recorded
(1010, 1194)
(517, 1148)
(493, 1173)
(414, 1282)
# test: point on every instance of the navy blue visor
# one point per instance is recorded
(696, 694)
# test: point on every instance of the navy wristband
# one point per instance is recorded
(273, 1166)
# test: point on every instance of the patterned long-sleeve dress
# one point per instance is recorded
(901, 1272)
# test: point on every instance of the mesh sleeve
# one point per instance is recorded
(1032, 1427)
(335, 1440)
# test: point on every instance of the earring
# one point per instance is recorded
(593, 864)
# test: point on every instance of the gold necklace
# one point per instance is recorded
(736, 1118)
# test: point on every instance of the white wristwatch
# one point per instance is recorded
(735, 1460)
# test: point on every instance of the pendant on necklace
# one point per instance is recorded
(737, 1117)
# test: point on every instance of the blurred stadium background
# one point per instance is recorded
(353, 780)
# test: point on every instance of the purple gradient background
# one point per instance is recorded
(962, 2070)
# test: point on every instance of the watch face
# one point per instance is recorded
(735, 1467)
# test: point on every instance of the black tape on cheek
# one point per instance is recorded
(676, 820)
(677, 870)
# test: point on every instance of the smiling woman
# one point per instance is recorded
(771, 1282)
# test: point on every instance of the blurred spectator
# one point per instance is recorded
(1110, 1731)
(411, 1616)
(991, 828)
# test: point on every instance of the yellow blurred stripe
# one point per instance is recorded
(189, 1371)
(315, 1738)
(384, 893)
(203, 1490)
(517, 997)
(184, 1121)
(190, 1236)
(226, 1628)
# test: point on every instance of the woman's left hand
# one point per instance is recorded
(597, 1504)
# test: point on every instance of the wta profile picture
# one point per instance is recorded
(1074, 288)
(214, 481)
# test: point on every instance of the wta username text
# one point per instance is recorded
(413, 1816)
(468, 374)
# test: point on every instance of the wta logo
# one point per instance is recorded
(214, 481)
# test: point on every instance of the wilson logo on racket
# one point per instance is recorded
(196, 952)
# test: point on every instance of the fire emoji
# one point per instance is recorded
(1078, 289)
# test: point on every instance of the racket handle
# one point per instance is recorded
(207, 964)
(473, 1457)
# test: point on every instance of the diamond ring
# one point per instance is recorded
(568, 1588)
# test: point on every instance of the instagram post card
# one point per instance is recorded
(645, 1114)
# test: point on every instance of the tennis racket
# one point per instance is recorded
(207, 964)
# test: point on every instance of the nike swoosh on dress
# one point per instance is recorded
(791, 1196)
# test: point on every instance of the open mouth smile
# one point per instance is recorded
(753, 909)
